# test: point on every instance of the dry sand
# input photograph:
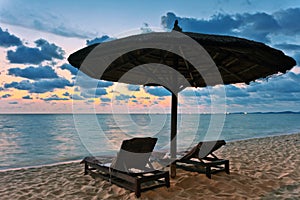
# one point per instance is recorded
(266, 168)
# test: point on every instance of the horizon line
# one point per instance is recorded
(143, 113)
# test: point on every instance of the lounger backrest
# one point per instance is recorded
(209, 147)
(134, 153)
(203, 149)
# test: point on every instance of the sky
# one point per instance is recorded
(36, 38)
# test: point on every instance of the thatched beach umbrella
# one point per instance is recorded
(193, 60)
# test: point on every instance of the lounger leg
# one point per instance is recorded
(227, 167)
(207, 171)
(167, 179)
(85, 168)
(137, 188)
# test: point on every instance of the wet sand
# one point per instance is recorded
(265, 168)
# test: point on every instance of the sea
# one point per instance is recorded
(28, 140)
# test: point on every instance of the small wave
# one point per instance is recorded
(6, 126)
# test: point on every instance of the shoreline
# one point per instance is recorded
(39, 166)
(268, 136)
(263, 168)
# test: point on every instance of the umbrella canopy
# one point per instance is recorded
(238, 60)
(222, 60)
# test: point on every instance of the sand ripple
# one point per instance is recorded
(266, 168)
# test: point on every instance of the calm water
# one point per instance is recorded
(30, 140)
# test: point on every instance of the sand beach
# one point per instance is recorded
(264, 168)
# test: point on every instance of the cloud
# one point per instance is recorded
(104, 83)
(288, 20)
(293, 47)
(294, 50)
(23, 85)
(41, 86)
(62, 29)
(216, 24)
(93, 93)
(27, 97)
(77, 97)
(25, 55)
(278, 29)
(233, 91)
(91, 88)
(133, 88)
(261, 95)
(146, 29)
(193, 93)
(66, 94)
(70, 68)
(84, 81)
(8, 40)
(123, 97)
(51, 84)
(6, 96)
(26, 16)
(34, 73)
(55, 98)
(258, 26)
(297, 58)
(44, 51)
(51, 50)
(105, 99)
(284, 84)
(104, 38)
(157, 91)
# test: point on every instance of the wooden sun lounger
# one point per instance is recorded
(202, 159)
(133, 155)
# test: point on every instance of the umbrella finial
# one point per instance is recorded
(176, 27)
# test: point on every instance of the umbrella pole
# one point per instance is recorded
(173, 134)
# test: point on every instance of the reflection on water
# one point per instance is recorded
(37, 139)
(27, 140)
(8, 148)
